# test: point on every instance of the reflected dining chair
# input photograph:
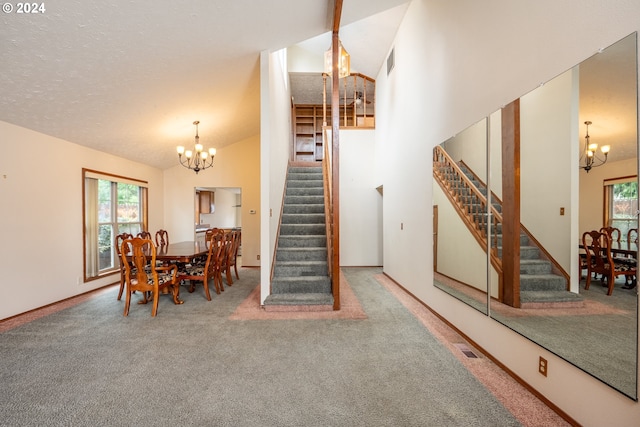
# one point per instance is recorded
(119, 239)
(142, 274)
(162, 238)
(614, 235)
(632, 245)
(599, 259)
(632, 239)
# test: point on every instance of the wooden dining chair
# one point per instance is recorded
(207, 270)
(632, 239)
(144, 235)
(142, 274)
(162, 238)
(600, 261)
(237, 241)
(614, 235)
(119, 239)
(632, 245)
(209, 233)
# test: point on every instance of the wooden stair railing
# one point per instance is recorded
(328, 213)
(460, 190)
(354, 86)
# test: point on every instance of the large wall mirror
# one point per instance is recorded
(459, 216)
(537, 286)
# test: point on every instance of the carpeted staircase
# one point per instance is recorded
(300, 279)
(540, 286)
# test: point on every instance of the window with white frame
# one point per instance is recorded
(621, 204)
(112, 205)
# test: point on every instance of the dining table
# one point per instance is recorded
(184, 252)
(181, 252)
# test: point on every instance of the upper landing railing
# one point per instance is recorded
(357, 100)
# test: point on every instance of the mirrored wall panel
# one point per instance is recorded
(460, 216)
(563, 163)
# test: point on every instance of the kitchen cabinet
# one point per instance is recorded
(205, 201)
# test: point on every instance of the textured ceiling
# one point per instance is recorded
(608, 98)
(129, 78)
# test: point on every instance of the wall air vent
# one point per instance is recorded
(391, 62)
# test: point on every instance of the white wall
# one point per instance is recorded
(360, 202)
(236, 165)
(546, 124)
(275, 134)
(457, 62)
(460, 256)
(41, 223)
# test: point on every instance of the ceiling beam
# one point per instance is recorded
(337, 14)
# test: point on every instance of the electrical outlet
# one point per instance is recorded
(542, 366)
(561, 211)
(258, 257)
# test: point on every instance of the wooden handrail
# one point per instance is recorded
(446, 172)
(328, 212)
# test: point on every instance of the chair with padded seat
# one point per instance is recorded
(205, 270)
(600, 261)
(142, 274)
(233, 257)
(119, 239)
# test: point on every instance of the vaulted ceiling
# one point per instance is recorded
(129, 78)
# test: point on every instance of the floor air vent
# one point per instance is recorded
(466, 351)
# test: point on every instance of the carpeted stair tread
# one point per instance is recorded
(300, 284)
(299, 299)
(303, 208)
(303, 218)
(542, 282)
(302, 240)
(301, 229)
(559, 299)
(304, 268)
(301, 254)
(535, 266)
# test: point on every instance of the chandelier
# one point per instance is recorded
(198, 159)
(589, 158)
(344, 61)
